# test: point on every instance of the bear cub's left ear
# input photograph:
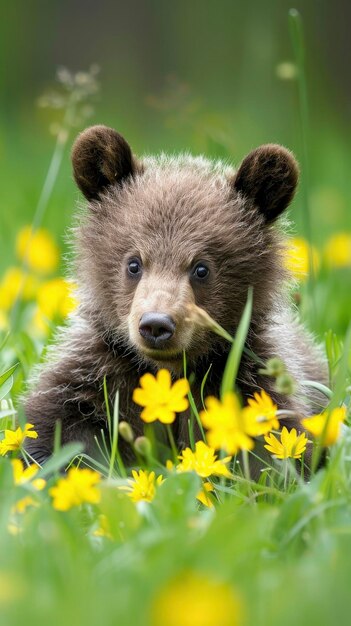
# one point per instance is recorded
(101, 157)
(268, 176)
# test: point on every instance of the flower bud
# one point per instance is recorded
(285, 384)
(275, 367)
(126, 432)
(5, 405)
(142, 445)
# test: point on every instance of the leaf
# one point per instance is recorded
(3, 340)
(60, 459)
(122, 514)
(234, 357)
(175, 499)
(5, 419)
(6, 381)
(6, 375)
(318, 386)
(339, 382)
(6, 387)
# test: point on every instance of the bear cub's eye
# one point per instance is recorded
(134, 267)
(200, 271)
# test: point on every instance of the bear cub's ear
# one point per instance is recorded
(268, 176)
(100, 157)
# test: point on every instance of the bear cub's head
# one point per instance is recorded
(164, 232)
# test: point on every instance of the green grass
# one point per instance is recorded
(285, 551)
(283, 546)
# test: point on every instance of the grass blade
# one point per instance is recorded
(234, 357)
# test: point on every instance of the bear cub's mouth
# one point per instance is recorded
(161, 354)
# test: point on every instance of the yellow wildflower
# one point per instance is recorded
(161, 399)
(170, 465)
(56, 300)
(22, 475)
(13, 588)
(104, 529)
(203, 497)
(16, 284)
(195, 599)
(337, 251)
(300, 257)
(14, 439)
(37, 249)
(22, 505)
(227, 424)
(79, 486)
(203, 461)
(291, 445)
(143, 485)
(326, 425)
(14, 529)
(261, 414)
(4, 322)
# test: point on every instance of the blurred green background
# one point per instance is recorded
(198, 76)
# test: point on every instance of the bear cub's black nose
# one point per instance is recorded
(156, 328)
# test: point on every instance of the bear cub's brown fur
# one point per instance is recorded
(159, 234)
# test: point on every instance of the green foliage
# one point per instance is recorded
(275, 542)
(6, 381)
(234, 358)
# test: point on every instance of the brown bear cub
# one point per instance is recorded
(159, 234)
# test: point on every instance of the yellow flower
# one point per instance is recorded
(16, 284)
(203, 461)
(195, 599)
(161, 399)
(13, 588)
(79, 486)
(261, 414)
(291, 445)
(104, 529)
(56, 300)
(22, 505)
(227, 424)
(326, 425)
(22, 475)
(14, 439)
(4, 322)
(337, 251)
(300, 257)
(203, 497)
(143, 486)
(170, 465)
(14, 529)
(37, 249)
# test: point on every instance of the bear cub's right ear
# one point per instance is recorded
(100, 158)
(268, 177)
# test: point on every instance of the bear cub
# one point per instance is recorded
(158, 234)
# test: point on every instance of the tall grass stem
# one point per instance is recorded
(297, 38)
